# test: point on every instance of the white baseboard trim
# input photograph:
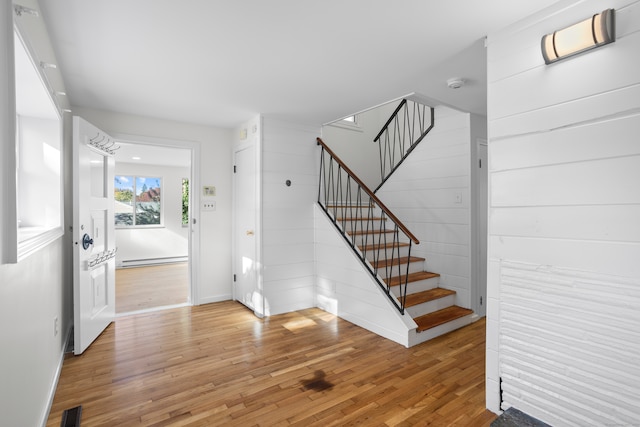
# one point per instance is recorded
(216, 298)
(56, 378)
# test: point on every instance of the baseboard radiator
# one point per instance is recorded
(150, 261)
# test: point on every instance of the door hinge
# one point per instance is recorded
(234, 169)
(480, 163)
(234, 277)
(480, 300)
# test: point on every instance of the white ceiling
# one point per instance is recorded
(220, 62)
(145, 154)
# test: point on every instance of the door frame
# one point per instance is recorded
(479, 280)
(194, 201)
(251, 133)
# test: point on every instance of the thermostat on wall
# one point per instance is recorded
(208, 190)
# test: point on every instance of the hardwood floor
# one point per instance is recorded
(141, 288)
(218, 364)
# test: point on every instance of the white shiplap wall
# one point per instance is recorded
(345, 288)
(289, 152)
(430, 193)
(564, 222)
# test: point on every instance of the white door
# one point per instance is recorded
(93, 233)
(246, 288)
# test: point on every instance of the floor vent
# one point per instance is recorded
(71, 417)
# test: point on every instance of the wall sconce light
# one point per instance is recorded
(588, 34)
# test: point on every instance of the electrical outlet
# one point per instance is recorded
(56, 328)
(458, 197)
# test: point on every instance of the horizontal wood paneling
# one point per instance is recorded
(616, 137)
(430, 193)
(566, 330)
(346, 289)
(605, 181)
(288, 153)
(564, 236)
(594, 222)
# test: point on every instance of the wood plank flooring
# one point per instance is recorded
(141, 288)
(218, 364)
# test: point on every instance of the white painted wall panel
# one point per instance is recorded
(594, 222)
(616, 137)
(605, 181)
(563, 273)
(289, 152)
(37, 289)
(344, 288)
(431, 194)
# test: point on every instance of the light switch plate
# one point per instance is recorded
(208, 191)
(208, 206)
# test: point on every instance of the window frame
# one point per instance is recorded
(135, 225)
(20, 243)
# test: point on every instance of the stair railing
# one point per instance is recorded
(402, 132)
(357, 213)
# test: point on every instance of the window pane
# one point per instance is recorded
(185, 201)
(147, 201)
(123, 189)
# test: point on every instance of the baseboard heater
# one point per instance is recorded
(151, 261)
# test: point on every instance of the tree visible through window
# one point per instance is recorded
(185, 201)
(137, 200)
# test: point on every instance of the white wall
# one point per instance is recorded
(354, 144)
(170, 240)
(430, 194)
(289, 152)
(564, 235)
(345, 288)
(214, 273)
(37, 289)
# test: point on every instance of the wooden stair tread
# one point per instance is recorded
(412, 277)
(357, 218)
(385, 246)
(402, 260)
(428, 295)
(360, 232)
(440, 317)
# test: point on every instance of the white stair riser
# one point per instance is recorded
(414, 267)
(431, 306)
(418, 286)
(387, 253)
(356, 225)
(370, 239)
(420, 337)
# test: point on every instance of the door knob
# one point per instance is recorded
(249, 232)
(86, 241)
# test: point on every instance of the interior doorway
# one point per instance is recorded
(153, 205)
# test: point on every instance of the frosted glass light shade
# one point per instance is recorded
(585, 35)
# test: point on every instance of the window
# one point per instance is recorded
(137, 201)
(185, 202)
(349, 122)
(37, 158)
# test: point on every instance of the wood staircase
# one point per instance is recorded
(432, 308)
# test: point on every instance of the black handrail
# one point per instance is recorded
(400, 135)
(362, 219)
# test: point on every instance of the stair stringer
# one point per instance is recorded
(346, 289)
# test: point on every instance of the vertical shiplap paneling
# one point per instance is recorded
(430, 193)
(564, 235)
(288, 153)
